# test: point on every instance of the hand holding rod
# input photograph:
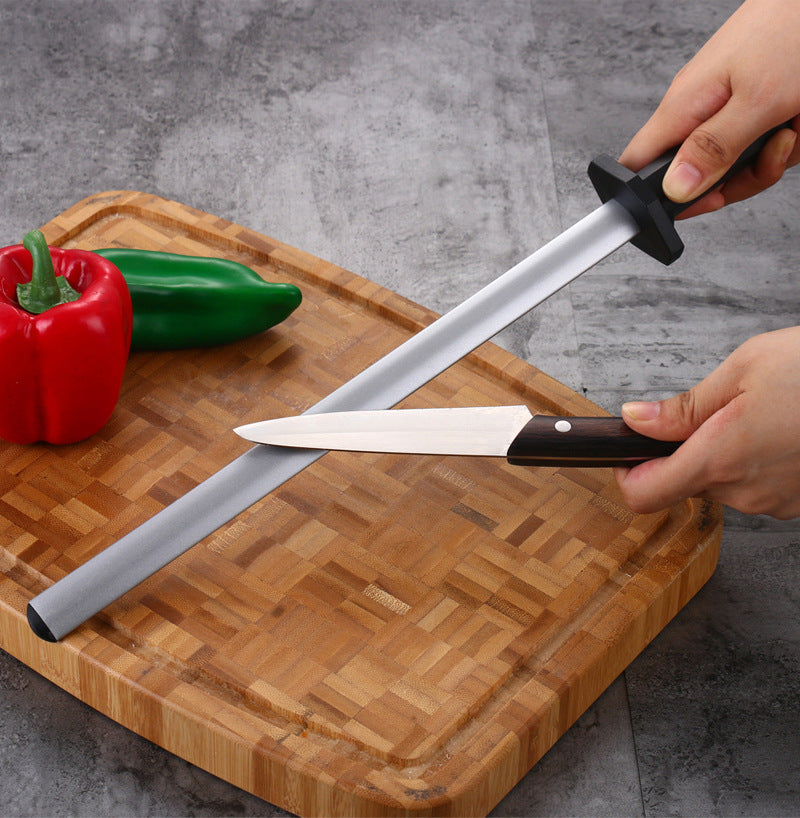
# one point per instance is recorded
(642, 195)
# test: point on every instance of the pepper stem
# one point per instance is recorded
(45, 288)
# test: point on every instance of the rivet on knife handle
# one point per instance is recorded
(590, 441)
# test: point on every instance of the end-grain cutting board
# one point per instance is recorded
(382, 634)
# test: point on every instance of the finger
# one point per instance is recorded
(710, 150)
(692, 98)
(679, 417)
(794, 156)
(772, 162)
(659, 134)
(768, 168)
(689, 472)
(659, 484)
(666, 128)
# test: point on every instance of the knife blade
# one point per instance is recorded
(634, 209)
(485, 431)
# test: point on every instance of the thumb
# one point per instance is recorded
(659, 483)
(672, 419)
(677, 418)
(710, 150)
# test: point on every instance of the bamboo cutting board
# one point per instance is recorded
(382, 634)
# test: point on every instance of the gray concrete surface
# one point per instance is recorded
(428, 145)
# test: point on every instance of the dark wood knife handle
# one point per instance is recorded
(593, 441)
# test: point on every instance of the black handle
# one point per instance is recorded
(566, 441)
(642, 195)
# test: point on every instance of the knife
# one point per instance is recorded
(488, 431)
(634, 209)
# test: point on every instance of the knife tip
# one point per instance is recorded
(244, 431)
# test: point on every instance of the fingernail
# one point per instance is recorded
(788, 147)
(641, 410)
(682, 181)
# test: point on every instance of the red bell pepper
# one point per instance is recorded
(65, 333)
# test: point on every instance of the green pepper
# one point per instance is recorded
(181, 302)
